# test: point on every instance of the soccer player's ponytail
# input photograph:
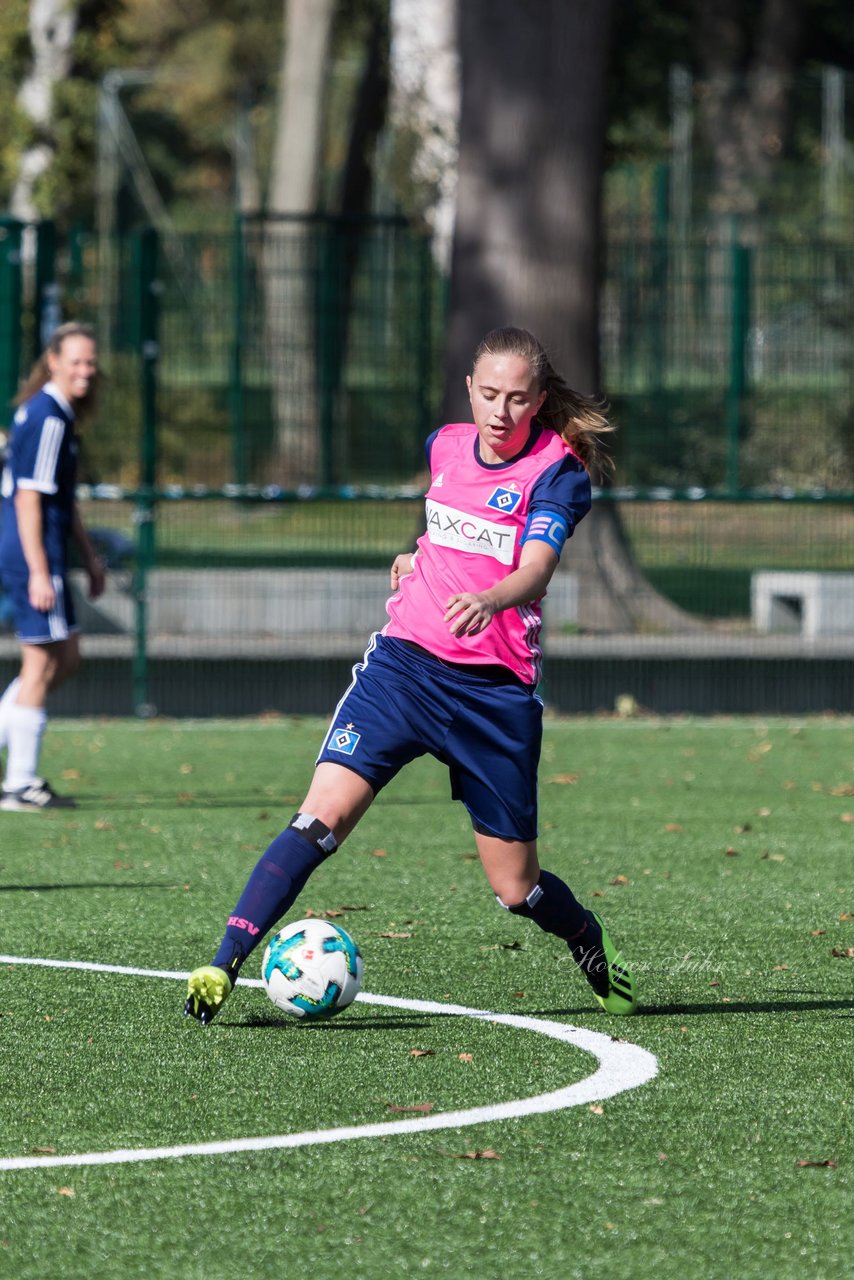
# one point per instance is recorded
(580, 420)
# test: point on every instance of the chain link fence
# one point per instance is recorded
(257, 459)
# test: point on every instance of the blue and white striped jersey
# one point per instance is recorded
(42, 455)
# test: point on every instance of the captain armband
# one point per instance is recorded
(547, 526)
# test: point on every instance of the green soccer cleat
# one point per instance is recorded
(208, 989)
(621, 997)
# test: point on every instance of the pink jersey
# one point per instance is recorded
(476, 517)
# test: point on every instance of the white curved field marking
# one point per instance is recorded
(622, 1066)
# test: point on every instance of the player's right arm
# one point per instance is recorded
(28, 512)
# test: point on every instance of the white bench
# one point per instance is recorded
(814, 604)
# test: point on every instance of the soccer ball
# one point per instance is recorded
(312, 969)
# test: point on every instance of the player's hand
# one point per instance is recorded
(41, 593)
(469, 613)
(401, 567)
(97, 577)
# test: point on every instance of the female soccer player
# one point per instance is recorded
(454, 672)
(39, 516)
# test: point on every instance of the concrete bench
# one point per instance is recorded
(813, 604)
(272, 602)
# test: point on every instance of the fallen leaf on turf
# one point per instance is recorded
(773, 857)
(486, 1154)
(843, 953)
(815, 1164)
(846, 915)
(565, 779)
(778, 968)
(378, 853)
(103, 825)
(596, 1109)
(65, 1191)
(421, 1107)
(844, 789)
(394, 935)
(466, 1057)
(846, 817)
(731, 853)
(510, 946)
(742, 828)
(70, 775)
(421, 1053)
(673, 826)
(620, 880)
(43, 1151)
(817, 933)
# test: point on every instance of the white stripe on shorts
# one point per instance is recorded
(56, 619)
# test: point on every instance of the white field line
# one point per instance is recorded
(621, 1066)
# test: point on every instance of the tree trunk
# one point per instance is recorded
(744, 95)
(52, 26)
(289, 297)
(527, 238)
(425, 107)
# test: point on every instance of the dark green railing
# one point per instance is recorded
(269, 390)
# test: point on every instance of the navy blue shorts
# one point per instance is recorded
(31, 625)
(403, 703)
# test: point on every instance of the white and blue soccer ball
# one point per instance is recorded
(312, 969)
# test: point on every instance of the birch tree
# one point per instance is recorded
(52, 26)
(425, 108)
(294, 180)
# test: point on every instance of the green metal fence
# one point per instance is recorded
(269, 390)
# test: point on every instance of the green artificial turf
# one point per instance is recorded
(720, 854)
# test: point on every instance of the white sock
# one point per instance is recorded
(6, 704)
(26, 726)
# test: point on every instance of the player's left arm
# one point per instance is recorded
(92, 562)
(470, 612)
(559, 500)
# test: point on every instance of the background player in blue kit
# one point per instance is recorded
(39, 517)
(454, 671)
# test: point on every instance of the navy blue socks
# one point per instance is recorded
(276, 882)
(553, 906)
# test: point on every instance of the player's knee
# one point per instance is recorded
(315, 832)
(520, 904)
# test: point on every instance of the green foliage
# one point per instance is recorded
(14, 59)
